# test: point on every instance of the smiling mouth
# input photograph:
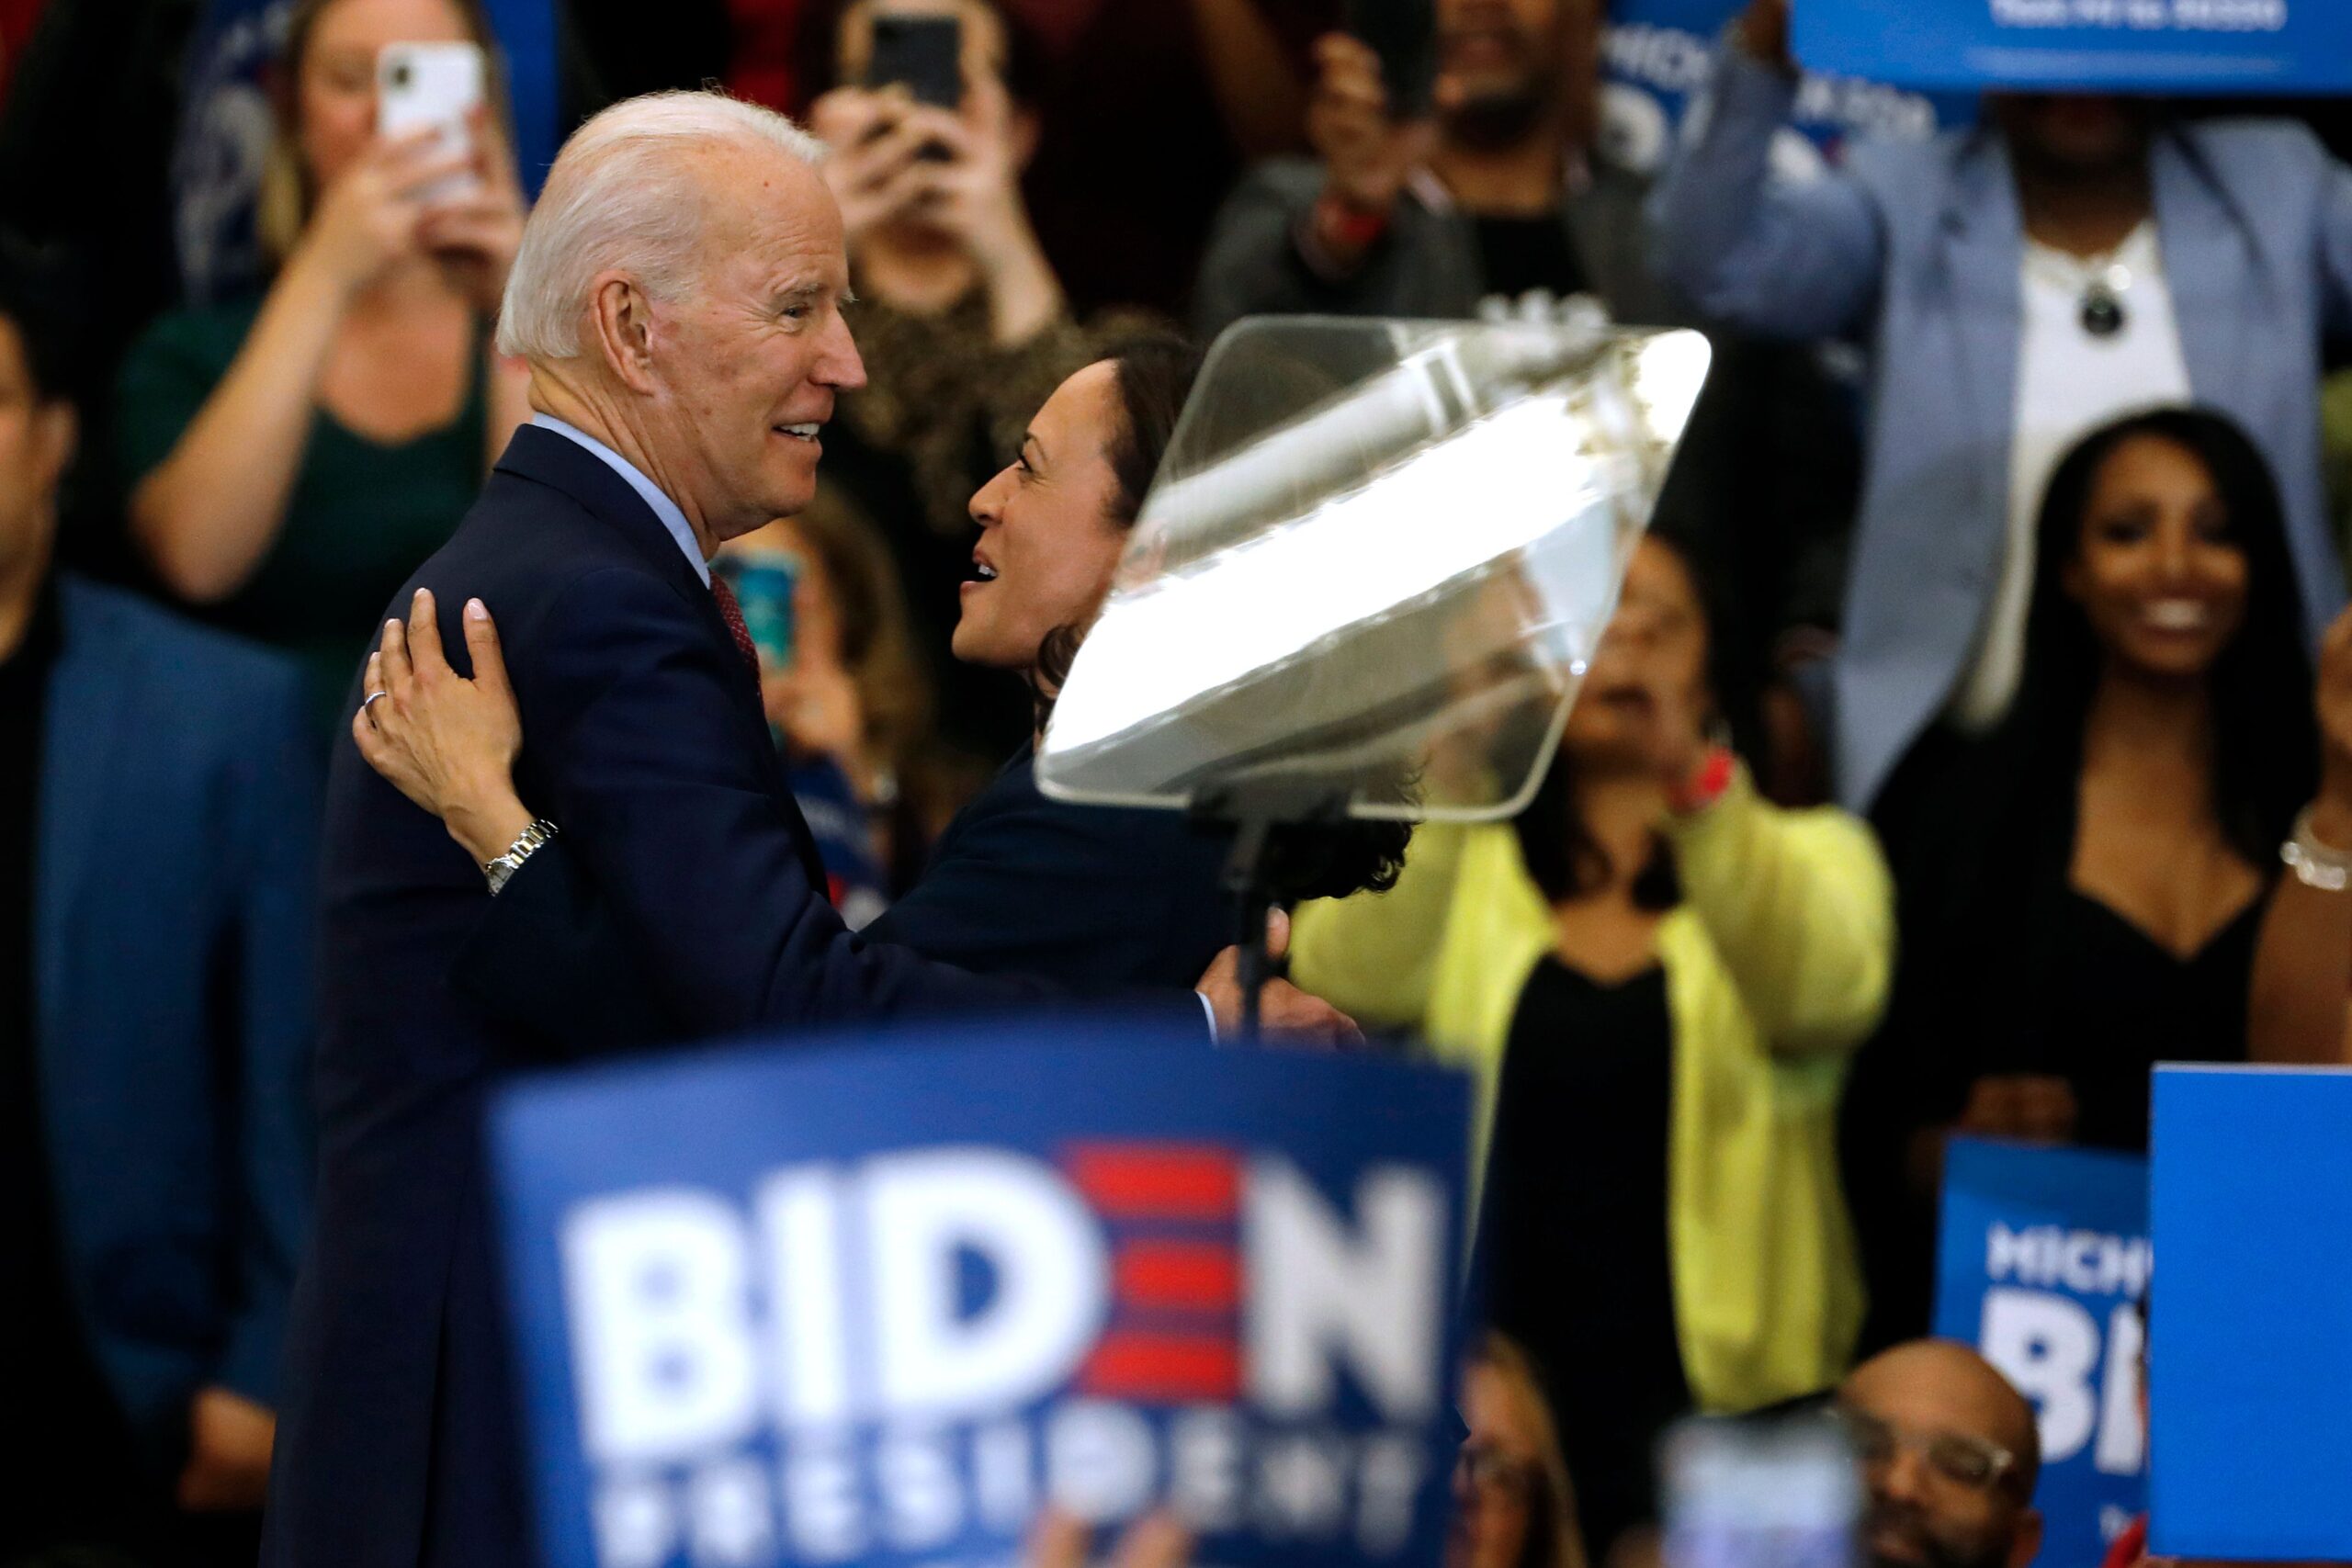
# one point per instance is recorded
(983, 572)
(2176, 616)
(800, 432)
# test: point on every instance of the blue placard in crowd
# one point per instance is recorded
(873, 1303)
(2250, 1351)
(2041, 1262)
(2197, 47)
(1657, 56)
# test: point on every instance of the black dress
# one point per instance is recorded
(1575, 1228)
(1094, 899)
(2006, 969)
(2121, 1003)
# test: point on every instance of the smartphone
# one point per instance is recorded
(1783, 1492)
(764, 585)
(1404, 34)
(926, 53)
(430, 84)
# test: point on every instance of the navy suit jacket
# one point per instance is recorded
(1123, 905)
(173, 883)
(1084, 896)
(645, 740)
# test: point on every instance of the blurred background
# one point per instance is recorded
(1975, 731)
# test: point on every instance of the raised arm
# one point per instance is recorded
(1312, 236)
(208, 512)
(1800, 906)
(2336, 247)
(1788, 259)
(2301, 1009)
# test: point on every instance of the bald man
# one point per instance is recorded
(1950, 1454)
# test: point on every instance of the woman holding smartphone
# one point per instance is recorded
(290, 458)
(961, 318)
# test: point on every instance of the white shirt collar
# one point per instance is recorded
(664, 507)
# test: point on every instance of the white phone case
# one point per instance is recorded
(436, 85)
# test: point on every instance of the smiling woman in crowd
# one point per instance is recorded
(1092, 898)
(291, 456)
(1656, 976)
(2081, 890)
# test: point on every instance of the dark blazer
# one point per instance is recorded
(173, 891)
(1104, 902)
(647, 743)
(1088, 897)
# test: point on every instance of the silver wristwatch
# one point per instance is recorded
(525, 845)
(2315, 864)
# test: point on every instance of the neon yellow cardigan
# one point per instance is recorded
(1776, 964)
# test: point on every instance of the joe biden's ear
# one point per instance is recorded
(620, 324)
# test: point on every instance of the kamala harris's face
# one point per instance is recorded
(1049, 538)
(749, 358)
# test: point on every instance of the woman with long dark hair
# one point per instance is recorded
(1656, 975)
(2080, 891)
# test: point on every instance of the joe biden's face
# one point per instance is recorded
(751, 356)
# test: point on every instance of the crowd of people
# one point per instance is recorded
(1968, 738)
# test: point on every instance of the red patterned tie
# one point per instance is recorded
(732, 613)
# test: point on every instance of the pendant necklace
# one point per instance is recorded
(2102, 312)
(2101, 284)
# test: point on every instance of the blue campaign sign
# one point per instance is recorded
(1657, 56)
(2041, 1261)
(874, 1302)
(2250, 1355)
(2144, 46)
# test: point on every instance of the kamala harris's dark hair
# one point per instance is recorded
(1153, 373)
(2265, 739)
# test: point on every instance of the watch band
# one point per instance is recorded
(2314, 864)
(526, 843)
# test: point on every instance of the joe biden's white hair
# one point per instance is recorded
(624, 195)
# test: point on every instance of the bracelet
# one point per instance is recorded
(1706, 786)
(1352, 226)
(526, 843)
(2315, 864)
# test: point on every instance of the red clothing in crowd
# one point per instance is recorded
(766, 36)
(2130, 1549)
(18, 19)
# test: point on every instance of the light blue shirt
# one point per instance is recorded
(664, 507)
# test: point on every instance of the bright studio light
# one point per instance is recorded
(1393, 539)
(1496, 488)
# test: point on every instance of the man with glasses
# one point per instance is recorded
(1949, 1454)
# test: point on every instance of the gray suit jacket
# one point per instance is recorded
(1916, 250)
